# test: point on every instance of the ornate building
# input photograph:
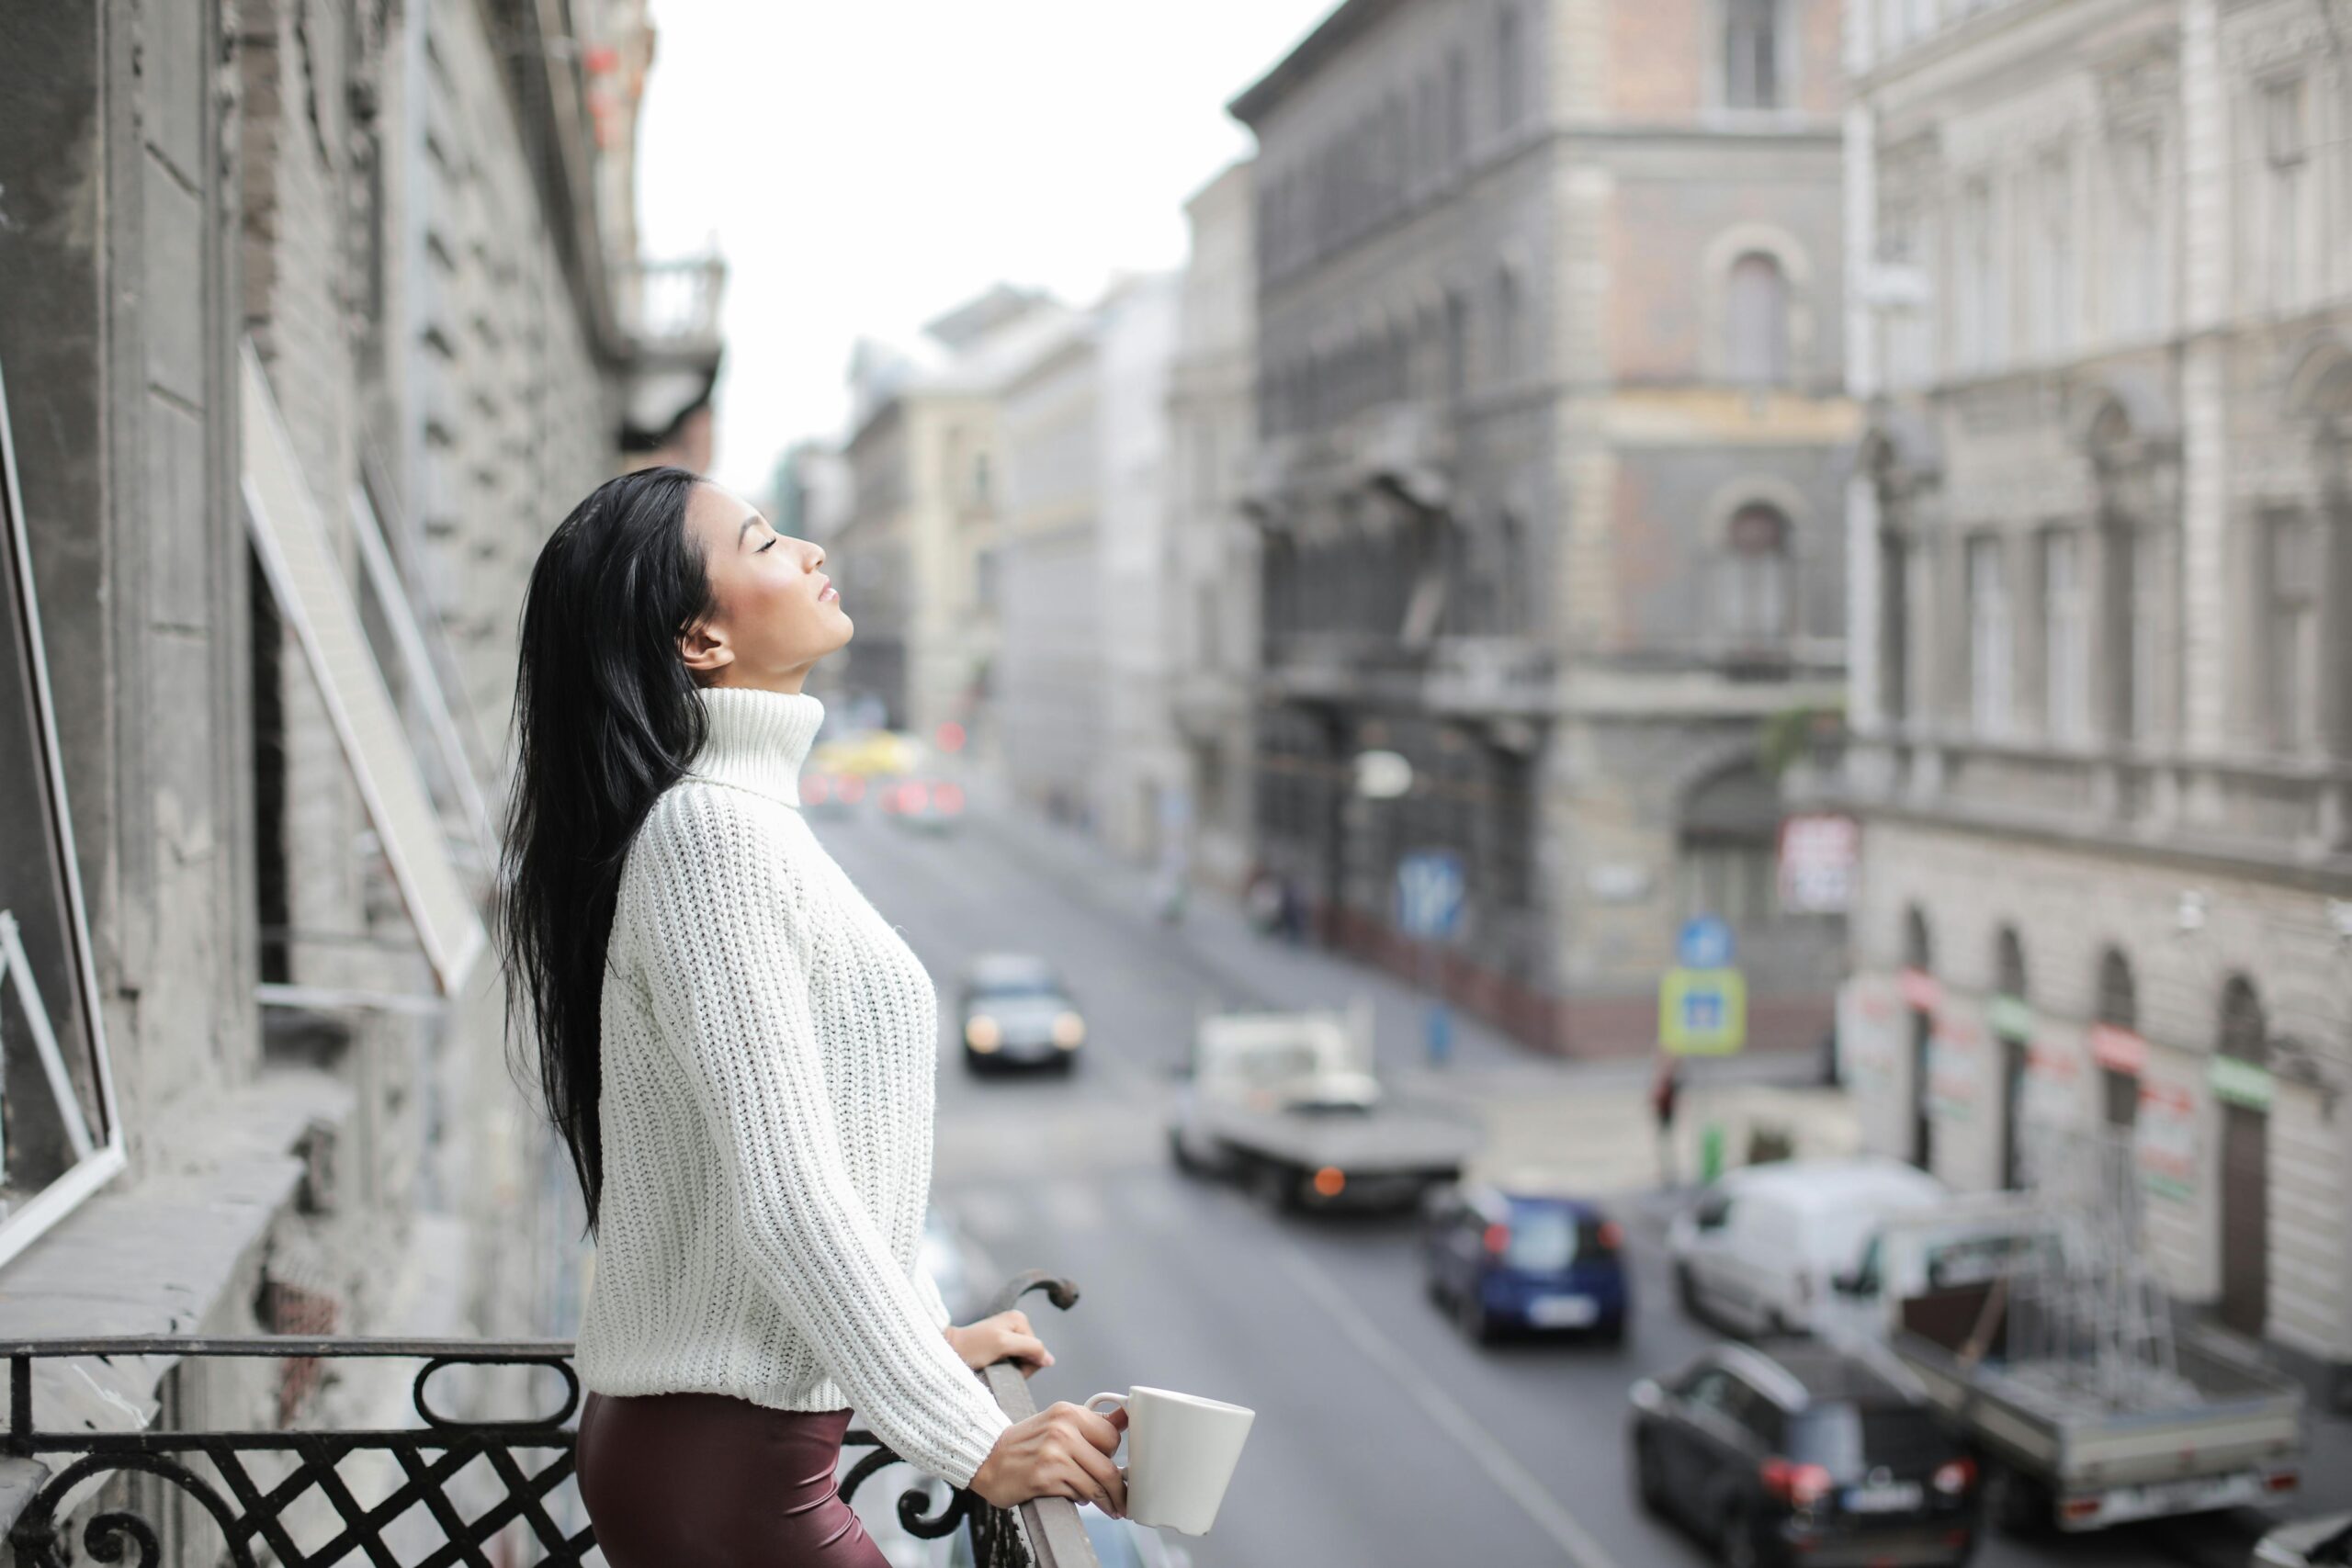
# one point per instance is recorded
(2102, 729)
(1551, 439)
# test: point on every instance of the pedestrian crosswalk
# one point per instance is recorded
(1133, 1203)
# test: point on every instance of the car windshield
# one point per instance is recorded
(1023, 985)
(1542, 1240)
(1851, 1441)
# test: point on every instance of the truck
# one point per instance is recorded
(2086, 1404)
(1288, 1104)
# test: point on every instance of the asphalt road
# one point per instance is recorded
(1383, 1436)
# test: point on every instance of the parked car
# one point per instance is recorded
(1797, 1453)
(831, 795)
(1756, 1254)
(1016, 1013)
(2322, 1542)
(1501, 1261)
(933, 805)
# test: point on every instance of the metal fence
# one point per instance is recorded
(483, 1485)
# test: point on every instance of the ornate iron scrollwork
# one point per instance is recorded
(530, 1458)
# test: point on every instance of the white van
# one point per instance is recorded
(1757, 1251)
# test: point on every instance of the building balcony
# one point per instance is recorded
(2265, 816)
(667, 313)
(433, 1489)
(1461, 675)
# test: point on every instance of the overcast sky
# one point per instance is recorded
(865, 166)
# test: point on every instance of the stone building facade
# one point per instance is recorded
(1549, 475)
(1212, 570)
(915, 556)
(396, 206)
(2102, 581)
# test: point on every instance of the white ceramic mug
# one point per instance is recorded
(1180, 1452)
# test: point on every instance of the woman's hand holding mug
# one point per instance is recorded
(1007, 1337)
(1064, 1450)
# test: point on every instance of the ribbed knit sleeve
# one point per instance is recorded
(928, 1288)
(726, 964)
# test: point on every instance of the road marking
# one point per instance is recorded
(1577, 1542)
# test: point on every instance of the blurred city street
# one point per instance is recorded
(1620, 732)
(1385, 1436)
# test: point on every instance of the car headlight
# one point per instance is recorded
(982, 1032)
(1069, 1029)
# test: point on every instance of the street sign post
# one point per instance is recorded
(1703, 1012)
(1705, 942)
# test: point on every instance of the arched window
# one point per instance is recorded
(1916, 952)
(2116, 1009)
(2244, 1034)
(2012, 1030)
(2008, 964)
(1755, 579)
(2119, 998)
(1756, 319)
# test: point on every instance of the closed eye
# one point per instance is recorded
(769, 545)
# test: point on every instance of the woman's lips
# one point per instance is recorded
(826, 594)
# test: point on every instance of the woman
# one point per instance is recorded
(739, 1054)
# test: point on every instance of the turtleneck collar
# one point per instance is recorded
(758, 740)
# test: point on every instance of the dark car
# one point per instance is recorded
(1016, 1013)
(1501, 1261)
(1794, 1452)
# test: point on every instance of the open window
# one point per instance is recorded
(60, 1139)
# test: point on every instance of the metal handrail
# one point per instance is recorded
(250, 1510)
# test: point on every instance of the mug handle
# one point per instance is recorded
(1117, 1400)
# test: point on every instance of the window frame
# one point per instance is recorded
(106, 1155)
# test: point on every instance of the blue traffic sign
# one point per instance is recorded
(1429, 893)
(1705, 943)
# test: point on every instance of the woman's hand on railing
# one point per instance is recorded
(1064, 1450)
(1007, 1337)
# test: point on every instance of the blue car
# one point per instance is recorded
(1536, 1262)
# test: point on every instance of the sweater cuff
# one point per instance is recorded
(973, 1445)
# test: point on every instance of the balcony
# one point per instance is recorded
(434, 1491)
(2279, 815)
(668, 316)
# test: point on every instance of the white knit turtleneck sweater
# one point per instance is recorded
(769, 1050)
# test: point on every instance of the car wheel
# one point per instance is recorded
(1181, 1157)
(1686, 1291)
(1273, 1185)
(1612, 1332)
(1737, 1548)
(1470, 1313)
(2019, 1504)
(1649, 1485)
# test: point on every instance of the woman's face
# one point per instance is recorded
(776, 614)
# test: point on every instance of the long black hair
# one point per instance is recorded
(605, 718)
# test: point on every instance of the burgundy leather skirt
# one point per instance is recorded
(705, 1480)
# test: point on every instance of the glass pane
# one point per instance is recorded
(39, 1130)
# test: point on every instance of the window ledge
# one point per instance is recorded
(158, 1255)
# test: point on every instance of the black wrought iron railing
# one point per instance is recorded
(291, 1496)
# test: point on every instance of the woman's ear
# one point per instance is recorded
(703, 648)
